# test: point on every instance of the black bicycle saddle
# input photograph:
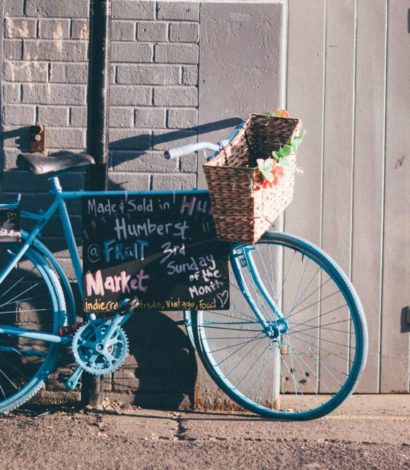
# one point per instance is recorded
(39, 164)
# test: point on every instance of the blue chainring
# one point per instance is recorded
(90, 352)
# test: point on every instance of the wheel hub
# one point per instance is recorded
(277, 328)
(97, 354)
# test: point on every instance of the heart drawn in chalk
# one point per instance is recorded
(223, 298)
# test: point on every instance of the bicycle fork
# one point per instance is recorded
(241, 257)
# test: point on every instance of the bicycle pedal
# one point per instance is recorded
(128, 305)
(134, 304)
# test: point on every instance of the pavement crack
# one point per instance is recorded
(182, 429)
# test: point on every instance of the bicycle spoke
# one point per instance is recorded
(234, 352)
(300, 357)
(316, 357)
(331, 353)
(220, 314)
(311, 305)
(315, 374)
(262, 376)
(231, 329)
(250, 367)
(253, 322)
(240, 292)
(215, 338)
(253, 338)
(306, 370)
(239, 363)
(323, 327)
(271, 280)
(251, 386)
(12, 347)
(327, 340)
(308, 297)
(285, 277)
(8, 379)
(24, 292)
(12, 287)
(297, 388)
(298, 302)
(319, 315)
(292, 373)
(29, 297)
(8, 312)
(299, 286)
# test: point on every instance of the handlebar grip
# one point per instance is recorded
(186, 149)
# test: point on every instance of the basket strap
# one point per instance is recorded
(221, 145)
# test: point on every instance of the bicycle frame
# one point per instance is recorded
(239, 254)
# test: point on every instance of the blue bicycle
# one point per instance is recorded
(292, 345)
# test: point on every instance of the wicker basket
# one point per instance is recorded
(244, 211)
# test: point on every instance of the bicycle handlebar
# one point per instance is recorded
(186, 149)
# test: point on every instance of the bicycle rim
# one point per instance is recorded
(313, 365)
(30, 297)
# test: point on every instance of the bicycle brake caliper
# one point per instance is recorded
(241, 254)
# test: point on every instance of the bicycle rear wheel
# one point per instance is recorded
(31, 298)
(302, 367)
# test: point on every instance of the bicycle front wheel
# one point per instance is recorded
(294, 342)
(31, 298)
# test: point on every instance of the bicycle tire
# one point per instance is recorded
(221, 341)
(25, 364)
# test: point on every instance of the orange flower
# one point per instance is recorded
(263, 182)
(277, 172)
(282, 113)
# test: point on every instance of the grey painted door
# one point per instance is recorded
(348, 69)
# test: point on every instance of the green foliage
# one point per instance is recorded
(289, 149)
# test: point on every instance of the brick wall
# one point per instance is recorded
(44, 80)
(154, 100)
(154, 92)
(156, 104)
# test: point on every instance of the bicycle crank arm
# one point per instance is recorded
(72, 380)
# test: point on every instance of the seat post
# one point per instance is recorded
(55, 184)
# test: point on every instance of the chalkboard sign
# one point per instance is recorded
(161, 249)
(10, 225)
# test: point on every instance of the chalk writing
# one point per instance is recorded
(125, 230)
(119, 206)
(115, 251)
(10, 225)
(161, 249)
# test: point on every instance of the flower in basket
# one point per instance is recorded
(281, 113)
(278, 113)
(271, 172)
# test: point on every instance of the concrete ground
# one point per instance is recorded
(369, 432)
